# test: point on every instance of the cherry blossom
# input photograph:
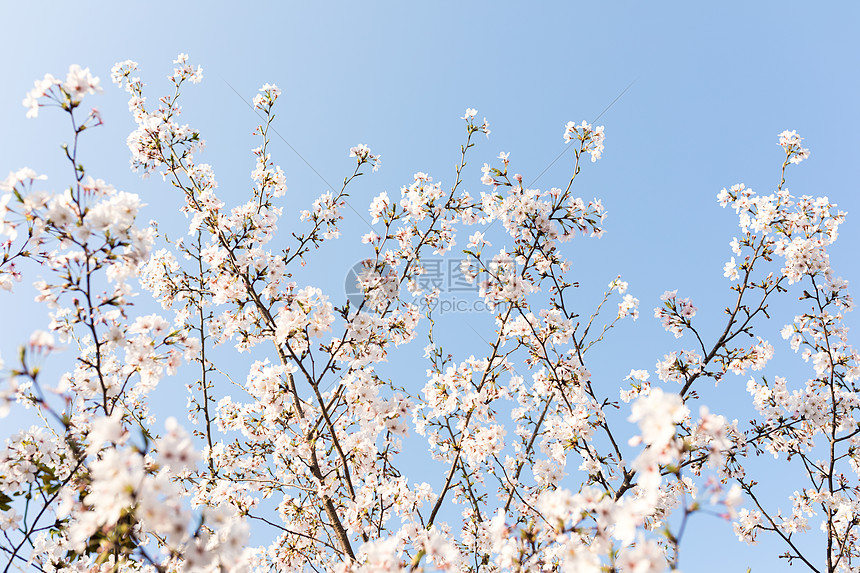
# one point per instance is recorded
(298, 462)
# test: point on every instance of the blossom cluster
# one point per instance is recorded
(536, 465)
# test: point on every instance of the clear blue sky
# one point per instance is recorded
(712, 87)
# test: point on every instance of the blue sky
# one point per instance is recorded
(712, 86)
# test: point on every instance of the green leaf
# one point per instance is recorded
(5, 502)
